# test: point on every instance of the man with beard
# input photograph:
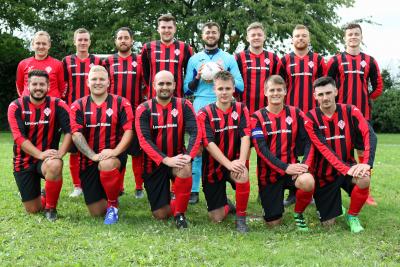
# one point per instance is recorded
(35, 121)
(165, 54)
(203, 90)
(161, 123)
(76, 70)
(126, 80)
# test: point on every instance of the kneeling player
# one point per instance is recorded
(161, 123)
(35, 121)
(335, 130)
(102, 130)
(278, 136)
(226, 137)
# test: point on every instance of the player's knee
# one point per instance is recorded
(305, 182)
(186, 171)
(217, 215)
(161, 214)
(108, 164)
(33, 207)
(363, 182)
(53, 167)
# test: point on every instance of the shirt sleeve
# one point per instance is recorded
(332, 68)
(205, 127)
(192, 128)
(234, 70)
(322, 68)
(125, 115)
(191, 73)
(146, 66)
(19, 82)
(62, 85)
(245, 128)
(63, 111)
(375, 79)
(76, 117)
(16, 123)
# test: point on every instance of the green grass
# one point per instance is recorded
(76, 239)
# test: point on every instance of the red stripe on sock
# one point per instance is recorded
(111, 181)
(53, 189)
(303, 199)
(182, 188)
(242, 198)
(137, 168)
(74, 169)
(357, 200)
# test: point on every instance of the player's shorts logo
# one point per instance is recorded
(48, 69)
(267, 61)
(177, 52)
(311, 64)
(289, 120)
(174, 112)
(134, 64)
(234, 115)
(341, 124)
(47, 111)
(109, 112)
(363, 63)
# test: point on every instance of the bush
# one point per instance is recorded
(386, 112)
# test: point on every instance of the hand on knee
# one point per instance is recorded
(109, 164)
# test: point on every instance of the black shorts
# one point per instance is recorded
(328, 199)
(272, 196)
(73, 149)
(92, 188)
(28, 181)
(157, 186)
(215, 193)
(134, 148)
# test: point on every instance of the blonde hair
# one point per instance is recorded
(81, 30)
(41, 33)
(255, 25)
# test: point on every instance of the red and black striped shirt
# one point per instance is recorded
(352, 74)
(255, 69)
(39, 124)
(335, 138)
(102, 125)
(76, 71)
(126, 77)
(225, 129)
(299, 74)
(278, 140)
(161, 130)
(157, 56)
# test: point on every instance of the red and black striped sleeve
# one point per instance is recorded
(76, 116)
(319, 141)
(244, 127)
(322, 68)
(146, 64)
(207, 133)
(143, 131)
(16, 123)
(332, 69)
(302, 141)
(375, 79)
(125, 115)
(262, 149)
(192, 128)
(63, 111)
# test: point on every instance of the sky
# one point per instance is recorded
(381, 40)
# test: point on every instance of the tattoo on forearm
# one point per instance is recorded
(82, 145)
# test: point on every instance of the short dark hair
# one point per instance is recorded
(211, 24)
(38, 73)
(80, 30)
(352, 26)
(224, 75)
(124, 29)
(166, 17)
(275, 79)
(325, 80)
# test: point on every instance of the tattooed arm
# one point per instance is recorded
(81, 143)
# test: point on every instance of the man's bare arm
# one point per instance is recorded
(81, 143)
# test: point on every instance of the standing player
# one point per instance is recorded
(225, 129)
(160, 125)
(203, 90)
(352, 70)
(41, 44)
(101, 130)
(165, 54)
(335, 130)
(126, 80)
(256, 65)
(301, 68)
(279, 138)
(76, 70)
(34, 122)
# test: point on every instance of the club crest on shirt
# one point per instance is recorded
(48, 69)
(134, 64)
(363, 63)
(267, 61)
(177, 52)
(47, 111)
(234, 115)
(311, 64)
(341, 124)
(289, 120)
(174, 112)
(109, 112)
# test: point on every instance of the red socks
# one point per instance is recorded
(111, 181)
(357, 200)
(182, 187)
(242, 198)
(303, 198)
(137, 168)
(74, 169)
(172, 205)
(53, 189)
(226, 210)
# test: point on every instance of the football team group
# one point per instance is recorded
(305, 119)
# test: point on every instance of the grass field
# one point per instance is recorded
(76, 239)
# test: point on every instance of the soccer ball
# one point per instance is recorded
(209, 70)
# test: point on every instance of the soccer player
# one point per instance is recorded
(203, 90)
(352, 70)
(35, 121)
(301, 68)
(256, 65)
(165, 54)
(161, 123)
(41, 44)
(279, 138)
(101, 130)
(126, 80)
(225, 127)
(335, 130)
(76, 70)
